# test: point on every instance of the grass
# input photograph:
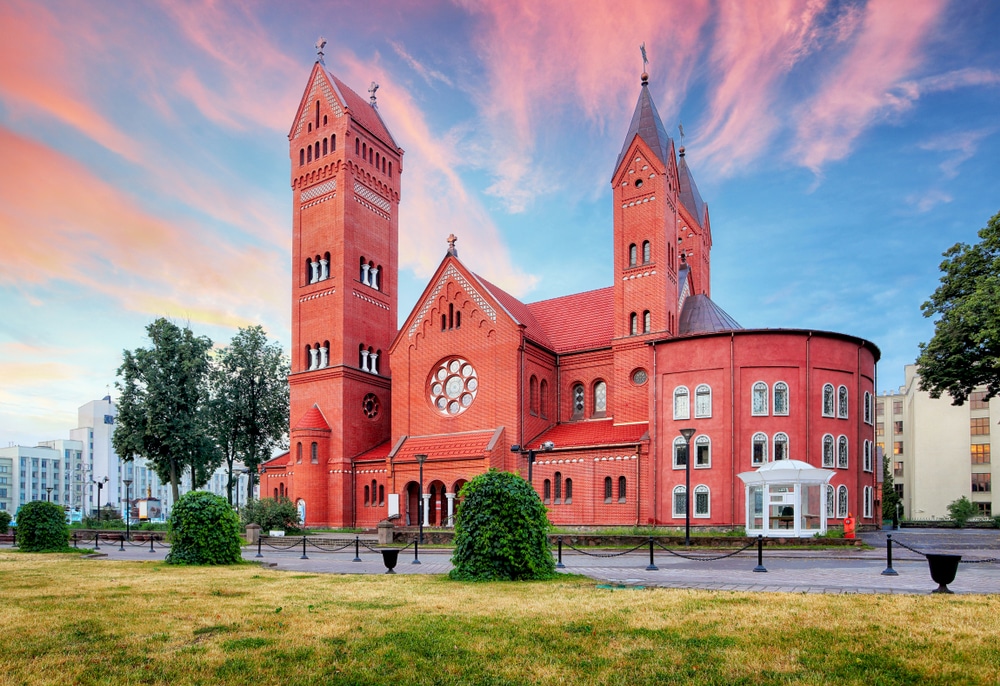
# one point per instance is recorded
(68, 620)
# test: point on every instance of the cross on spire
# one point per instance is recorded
(451, 245)
(371, 92)
(320, 44)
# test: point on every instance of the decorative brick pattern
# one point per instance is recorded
(313, 296)
(318, 190)
(451, 273)
(373, 301)
(320, 85)
(372, 200)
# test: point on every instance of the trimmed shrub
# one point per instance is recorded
(501, 531)
(204, 530)
(961, 511)
(42, 527)
(271, 513)
(4, 521)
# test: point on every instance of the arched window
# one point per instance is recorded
(842, 452)
(600, 399)
(569, 491)
(828, 451)
(759, 453)
(702, 452)
(302, 156)
(381, 495)
(759, 404)
(578, 401)
(374, 488)
(333, 143)
(276, 494)
(632, 255)
(324, 120)
(357, 146)
(607, 489)
(869, 505)
(842, 402)
(828, 405)
(647, 252)
(679, 502)
(317, 114)
(703, 401)
(390, 170)
(780, 446)
(316, 155)
(364, 151)
(314, 453)
(680, 453)
(633, 324)
(371, 155)
(647, 321)
(366, 496)
(324, 147)
(682, 408)
(621, 489)
(547, 492)
(298, 452)
(868, 407)
(702, 501)
(309, 153)
(543, 403)
(533, 395)
(868, 463)
(558, 480)
(842, 501)
(378, 161)
(831, 501)
(781, 398)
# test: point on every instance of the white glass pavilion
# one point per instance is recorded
(786, 499)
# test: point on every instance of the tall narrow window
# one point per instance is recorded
(780, 446)
(600, 398)
(302, 156)
(702, 501)
(366, 495)
(828, 451)
(831, 501)
(314, 453)
(680, 501)
(324, 147)
(543, 403)
(781, 398)
(621, 489)
(647, 321)
(680, 453)
(578, 401)
(647, 252)
(828, 404)
(569, 492)
(703, 401)
(759, 405)
(869, 463)
(633, 324)
(357, 146)
(558, 480)
(759, 449)
(868, 502)
(298, 453)
(842, 501)
(333, 143)
(842, 402)
(868, 408)
(309, 153)
(607, 489)
(381, 494)
(547, 492)
(682, 409)
(533, 395)
(702, 452)
(632, 255)
(317, 114)
(842, 452)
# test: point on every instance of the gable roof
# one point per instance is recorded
(702, 315)
(362, 111)
(520, 312)
(647, 125)
(460, 444)
(581, 321)
(592, 433)
(312, 419)
(277, 461)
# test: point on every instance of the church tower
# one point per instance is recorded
(345, 177)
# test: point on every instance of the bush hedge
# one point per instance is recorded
(42, 527)
(204, 530)
(501, 531)
(271, 513)
(4, 521)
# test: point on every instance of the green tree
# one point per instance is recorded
(271, 513)
(163, 391)
(961, 511)
(4, 521)
(248, 405)
(964, 352)
(41, 527)
(501, 531)
(889, 496)
(204, 530)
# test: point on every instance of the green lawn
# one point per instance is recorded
(69, 620)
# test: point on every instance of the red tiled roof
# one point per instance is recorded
(465, 444)
(592, 433)
(362, 112)
(277, 460)
(312, 419)
(519, 311)
(379, 452)
(581, 321)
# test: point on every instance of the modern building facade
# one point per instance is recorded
(939, 451)
(587, 393)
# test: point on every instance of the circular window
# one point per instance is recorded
(452, 386)
(638, 183)
(639, 377)
(370, 406)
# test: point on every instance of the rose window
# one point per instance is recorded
(453, 386)
(370, 406)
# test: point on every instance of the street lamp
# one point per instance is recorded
(100, 484)
(48, 494)
(530, 452)
(420, 460)
(687, 434)
(128, 508)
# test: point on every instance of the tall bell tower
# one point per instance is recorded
(345, 178)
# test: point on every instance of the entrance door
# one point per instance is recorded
(412, 504)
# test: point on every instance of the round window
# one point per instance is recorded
(452, 386)
(639, 377)
(638, 183)
(370, 406)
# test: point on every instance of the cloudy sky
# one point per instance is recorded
(144, 170)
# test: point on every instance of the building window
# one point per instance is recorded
(898, 469)
(702, 452)
(547, 492)
(607, 489)
(980, 453)
(682, 409)
(980, 426)
(621, 489)
(780, 446)
(578, 396)
(680, 453)
(880, 428)
(897, 426)
(759, 454)
(702, 501)
(868, 408)
(533, 395)
(981, 483)
(569, 491)
(647, 321)
(703, 401)
(680, 501)
(759, 405)
(842, 402)
(897, 407)
(600, 399)
(367, 495)
(543, 400)
(880, 409)
(978, 401)
(314, 453)
(453, 386)
(869, 505)
(828, 451)
(842, 501)
(828, 404)
(831, 501)
(558, 496)
(897, 448)
(633, 324)
(298, 453)
(869, 463)
(781, 398)
(842, 452)
(632, 255)
(647, 252)
(985, 509)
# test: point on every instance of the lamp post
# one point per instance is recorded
(530, 453)
(48, 494)
(100, 484)
(420, 502)
(128, 508)
(687, 434)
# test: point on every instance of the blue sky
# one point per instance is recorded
(841, 147)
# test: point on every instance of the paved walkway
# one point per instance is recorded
(798, 571)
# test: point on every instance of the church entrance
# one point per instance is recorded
(412, 504)
(438, 513)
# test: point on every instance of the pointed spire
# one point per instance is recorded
(647, 125)
(688, 189)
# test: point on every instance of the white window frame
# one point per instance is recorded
(829, 389)
(781, 437)
(829, 440)
(869, 463)
(846, 462)
(754, 395)
(869, 412)
(682, 391)
(774, 405)
(679, 442)
(600, 389)
(868, 504)
(701, 489)
(753, 442)
(702, 440)
(675, 513)
(700, 391)
(843, 402)
(831, 501)
(845, 501)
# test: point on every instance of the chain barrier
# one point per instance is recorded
(896, 541)
(700, 558)
(619, 554)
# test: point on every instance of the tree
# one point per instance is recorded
(271, 513)
(964, 352)
(961, 511)
(248, 406)
(890, 498)
(204, 530)
(501, 531)
(42, 527)
(163, 392)
(4, 521)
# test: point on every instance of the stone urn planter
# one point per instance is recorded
(943, 570)
(389, 557)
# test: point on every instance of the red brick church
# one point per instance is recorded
(594, 386)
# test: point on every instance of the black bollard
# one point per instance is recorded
(652, 567)
(75, 539)
(304, 556)
(416, 551)
(122, 549)
(760, 554)
(97, 541)
(357, 558)
(888, 571)
(151, 542)
(260, 541)
(559, 564)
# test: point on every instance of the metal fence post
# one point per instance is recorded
(357, 557)
(559, 564)
(889, 571)
(151, 542)
(122, 549)
(416, 551)
(652, 567)
(760, 554)
(304, 556)
(260, 540)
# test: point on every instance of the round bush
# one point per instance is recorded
(42, 527)
(501, 531)
(4, 521)
(271, 513)
(204, 531)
